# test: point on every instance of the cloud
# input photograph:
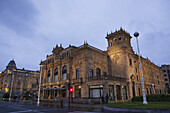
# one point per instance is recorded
(29, 29)
(19, 16)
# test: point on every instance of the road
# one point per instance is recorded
(9, 107)
(12, 107)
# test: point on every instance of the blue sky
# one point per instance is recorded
(29, 29)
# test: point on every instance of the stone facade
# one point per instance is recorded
(93, 73)
(166, 73)
(21, 80)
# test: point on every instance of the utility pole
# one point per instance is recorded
(38, 102)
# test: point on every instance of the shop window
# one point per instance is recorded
(96, 91)
(77, 91)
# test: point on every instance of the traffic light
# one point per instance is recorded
(71, 90)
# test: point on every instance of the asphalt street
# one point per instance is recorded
(13, 107)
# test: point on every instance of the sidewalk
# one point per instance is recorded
(137, 110)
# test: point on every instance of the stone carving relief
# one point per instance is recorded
(115, 58)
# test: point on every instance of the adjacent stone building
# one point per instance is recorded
(19, 80)
(166, 73)
(93, 73)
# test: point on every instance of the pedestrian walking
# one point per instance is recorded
(107, 98)
(61, 103)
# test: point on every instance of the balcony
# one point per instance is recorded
(106, 77)
(77, 80)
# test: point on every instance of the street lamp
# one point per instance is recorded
(38, 102)
(136, 34)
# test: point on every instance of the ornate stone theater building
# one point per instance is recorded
(93, 73)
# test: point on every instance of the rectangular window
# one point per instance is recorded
(95, 92)
(111, 92)
(77, 91)
(77, 73)
(130, 61)
(90, 73)
(124, 93)
(118, 93)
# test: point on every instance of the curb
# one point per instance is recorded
(138, 110)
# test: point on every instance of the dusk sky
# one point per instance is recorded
(29, 29)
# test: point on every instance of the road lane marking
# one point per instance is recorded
(27, 111)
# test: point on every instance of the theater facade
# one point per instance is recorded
(93, 73)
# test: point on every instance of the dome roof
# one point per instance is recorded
(12, 63)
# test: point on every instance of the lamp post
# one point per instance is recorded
(38, 102)
(136, 34)
(11, 86)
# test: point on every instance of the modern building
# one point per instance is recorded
(93, 73)
(166, 73)
(19, 80)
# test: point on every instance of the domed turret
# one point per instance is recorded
(11, 65)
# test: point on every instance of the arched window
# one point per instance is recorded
(56, 74)
(119, 39)
(91, 73)
(48, 76)
(64, 72)
(98, 72)
(115, 40)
